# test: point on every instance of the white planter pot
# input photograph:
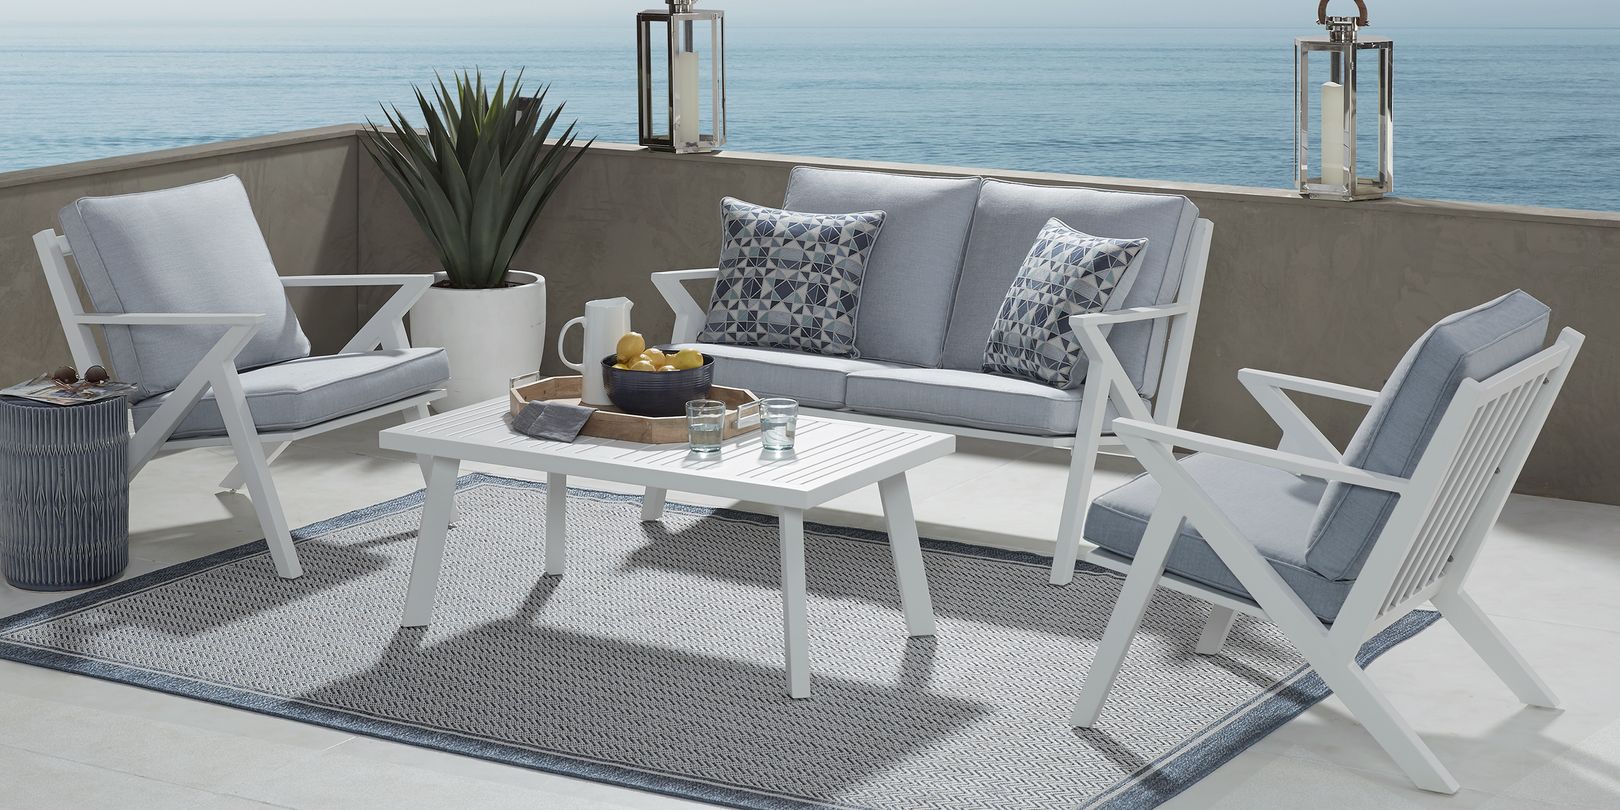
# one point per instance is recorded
(491, 335)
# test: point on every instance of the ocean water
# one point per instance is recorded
(1524, 116)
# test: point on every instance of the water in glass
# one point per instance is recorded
(778, 422)
(705, 425)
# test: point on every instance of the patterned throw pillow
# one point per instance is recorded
(790, 280)
(1066, 273)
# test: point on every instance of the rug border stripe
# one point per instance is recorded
(1168, 775)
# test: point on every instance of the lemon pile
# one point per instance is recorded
(635, 355)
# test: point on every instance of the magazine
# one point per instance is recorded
(44, 389)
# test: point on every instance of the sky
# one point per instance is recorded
(831, 13)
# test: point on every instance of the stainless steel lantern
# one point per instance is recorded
(682, 78)
(1338, 164)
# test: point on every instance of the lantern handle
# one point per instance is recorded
(1322, 15)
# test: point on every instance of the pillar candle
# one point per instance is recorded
(1333, 155)
(684, 78)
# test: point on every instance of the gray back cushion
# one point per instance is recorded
(1475, 344)
(1011, 215)
(906, 294)
(194, 248)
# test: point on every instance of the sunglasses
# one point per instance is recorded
(68, 376)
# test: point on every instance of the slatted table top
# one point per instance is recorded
(831, 457)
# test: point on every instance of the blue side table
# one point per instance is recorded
(64, 493)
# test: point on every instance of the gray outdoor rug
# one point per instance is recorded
(656, 662)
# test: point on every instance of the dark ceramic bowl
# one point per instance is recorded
(656, 393)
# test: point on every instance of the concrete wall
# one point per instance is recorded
(302, 186)
(1336, 291)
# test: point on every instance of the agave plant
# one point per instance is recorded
(479, 173)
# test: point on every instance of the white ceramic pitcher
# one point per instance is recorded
(606, 321)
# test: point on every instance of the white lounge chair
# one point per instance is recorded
(193, 312)
(1331, 547)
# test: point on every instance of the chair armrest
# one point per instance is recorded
(689, 314)
(170, 319)
(386, 327)
(366, 280)
(1346, 393)
(1138, 430)
(1300, 434)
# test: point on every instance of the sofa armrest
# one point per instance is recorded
(1300, 434)
(1105, 375)
(689, 314)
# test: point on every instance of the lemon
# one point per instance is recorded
(656, 357)
(688, 358)
(630, 345)
(642, 365)
(667, 368)
(621, 366)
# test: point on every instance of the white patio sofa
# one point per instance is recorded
(949, 249)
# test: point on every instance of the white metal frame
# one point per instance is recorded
(1431, 540)
(217, 372)
(831, 459)
(1090, 435)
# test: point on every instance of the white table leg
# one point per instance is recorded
(652, 504)
(556, 523)
(440, 500)
(795, 631)
(907, 551)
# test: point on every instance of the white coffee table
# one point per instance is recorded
(832, 458)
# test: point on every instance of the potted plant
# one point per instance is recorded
(476, 177)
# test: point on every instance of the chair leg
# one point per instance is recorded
(1216, 629)
(1077, 494)
(1128, 612)
(255, 470)
(233, 480)
(1369, 706)
(1498, 653)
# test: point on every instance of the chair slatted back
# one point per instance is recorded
(1462, 483)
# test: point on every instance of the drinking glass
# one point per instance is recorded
(705, 425)
(778, 421)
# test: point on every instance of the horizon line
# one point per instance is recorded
(475, 22)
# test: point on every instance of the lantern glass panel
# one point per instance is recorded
(1344, 121)
(682, 80)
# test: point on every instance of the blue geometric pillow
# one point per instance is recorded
(790, 280)
(1066, 273)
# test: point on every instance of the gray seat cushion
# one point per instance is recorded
(1273, 510)
(1008, 218)
(906, 293)
(309, 391)
(194, 248)
(1474, 344)
(815, 380)
(967, 398)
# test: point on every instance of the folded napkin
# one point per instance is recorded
(557, 421)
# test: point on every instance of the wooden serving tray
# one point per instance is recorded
(742, 412)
